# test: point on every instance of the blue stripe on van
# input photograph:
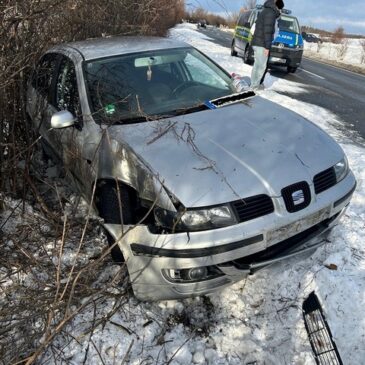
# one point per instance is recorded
(289, 39)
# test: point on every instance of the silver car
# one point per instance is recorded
(199, 185)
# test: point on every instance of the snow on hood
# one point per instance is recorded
(216, 156)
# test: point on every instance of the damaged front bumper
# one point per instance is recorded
(171, 266)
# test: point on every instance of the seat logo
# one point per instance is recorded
(298, 197)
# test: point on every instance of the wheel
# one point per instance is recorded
(247, 57)
(110, 208)
(233, 52)
(291, 69)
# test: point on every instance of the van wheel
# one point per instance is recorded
(291, 69)
(233, 52)
(247, 57)
(108, 206)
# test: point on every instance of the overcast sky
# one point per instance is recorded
(324, 14)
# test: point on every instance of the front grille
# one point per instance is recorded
(287, 245)
(253, 207)
(324, 180)
(296, 196)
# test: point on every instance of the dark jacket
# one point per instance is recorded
(265, 25)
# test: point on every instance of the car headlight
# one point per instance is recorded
(341, 169)
(195, 219)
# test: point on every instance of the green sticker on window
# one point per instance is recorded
(109, 109)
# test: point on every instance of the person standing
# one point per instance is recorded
(262, 39)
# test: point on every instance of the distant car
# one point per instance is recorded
(200, 185)
(202, 23)
(286, 49)
(311, 38)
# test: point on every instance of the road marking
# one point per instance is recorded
(333, 66)
(320, 77)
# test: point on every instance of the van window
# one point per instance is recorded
(288, 24)
(253, 17)
(243, 19)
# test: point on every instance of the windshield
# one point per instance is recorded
(288, 24)
(152, 84)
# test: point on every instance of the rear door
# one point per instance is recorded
(70, 140)
(242, 33)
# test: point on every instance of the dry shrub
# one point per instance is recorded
(49, 274)
(342, 49)
(28, 28)
(201, 14)
(338, 35)
(362, 44)
(39, 296)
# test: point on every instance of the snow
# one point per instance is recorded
(256, 320)
(350, 51)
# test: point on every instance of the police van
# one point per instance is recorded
(286, 49)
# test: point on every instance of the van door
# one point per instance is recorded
(242, 32)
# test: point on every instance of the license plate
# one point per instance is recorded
(294, 228)
(277, 59)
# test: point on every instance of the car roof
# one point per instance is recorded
(113, 46)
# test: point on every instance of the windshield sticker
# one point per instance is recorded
(109, 109)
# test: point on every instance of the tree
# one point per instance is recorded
(338, 35)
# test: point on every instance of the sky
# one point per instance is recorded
(324, 14)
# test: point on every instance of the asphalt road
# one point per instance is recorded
(336, 89)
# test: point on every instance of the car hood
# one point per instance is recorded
(216, 156)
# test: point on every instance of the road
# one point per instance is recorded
(338, 90)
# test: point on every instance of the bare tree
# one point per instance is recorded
(338, 35)
(28, 28)
(342, 48)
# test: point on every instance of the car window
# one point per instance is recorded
(43, 76)
(152, 83)
(201, 72)
(67, 96)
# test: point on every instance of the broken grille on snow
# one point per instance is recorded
(320, 337)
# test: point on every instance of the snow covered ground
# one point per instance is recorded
(351, 51)
(256, 321)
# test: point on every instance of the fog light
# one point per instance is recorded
(192, 275)
(198, 273)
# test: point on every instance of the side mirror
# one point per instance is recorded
(62, 119)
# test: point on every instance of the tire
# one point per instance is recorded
(291, 69)
(109, 209)
(247, 59)
(233, 52)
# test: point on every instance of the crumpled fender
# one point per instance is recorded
(118, 161)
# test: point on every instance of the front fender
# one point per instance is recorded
(118, 161)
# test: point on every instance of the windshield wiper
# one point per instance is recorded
(230, 99)
(209, 104)
(187, 110)
(136, 119)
